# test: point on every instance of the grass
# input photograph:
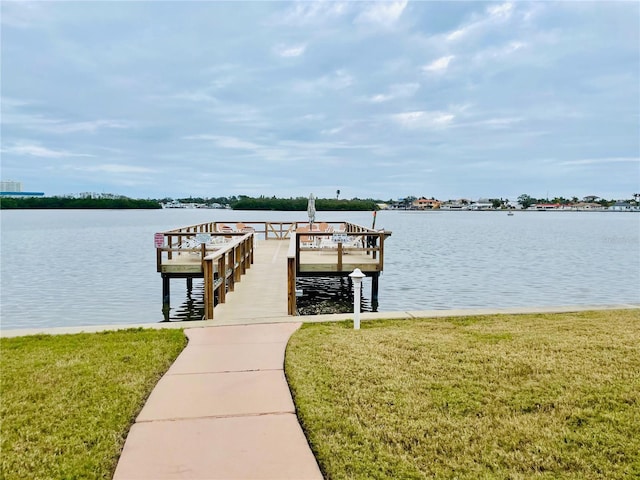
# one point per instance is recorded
(68, 401)
(518, 397)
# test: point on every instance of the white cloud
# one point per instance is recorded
(382, 13)
(494, 53)
(290, 51)
(456, 34)
(602, 161)
(44, 123)
(332, 131)
(225, 142)
(337, 80)
(304, 12)
(112, 168)
(423, 119)
(401, 90)
(501, 121)
(34, 150)
(493, 14)
(503, 10)
(90, 126)
(439, 65)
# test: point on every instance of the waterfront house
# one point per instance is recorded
(482, 204)
(426, 204)
(621, 206)
(587, 206)
(400, 204)
(546, 206)
(454, 205)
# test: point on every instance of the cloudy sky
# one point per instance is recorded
(381, 100)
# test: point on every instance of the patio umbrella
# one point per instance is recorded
(311, 210)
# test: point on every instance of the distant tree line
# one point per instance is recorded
(526, 200)
(300, 204)
(82, 202)
(201, 200)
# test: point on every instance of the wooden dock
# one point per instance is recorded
(251, 272)
(262, 292)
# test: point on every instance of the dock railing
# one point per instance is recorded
(266, 230)
(184, 242)
(224, 268)
(224, 258)
(353, 240)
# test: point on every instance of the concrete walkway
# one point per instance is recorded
(222, 411)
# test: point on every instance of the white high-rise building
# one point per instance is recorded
(10, 186)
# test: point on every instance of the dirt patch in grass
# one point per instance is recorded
(504, 396)
(68, 401)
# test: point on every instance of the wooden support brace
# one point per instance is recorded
(291, 286)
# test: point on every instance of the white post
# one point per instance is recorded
(357, 277)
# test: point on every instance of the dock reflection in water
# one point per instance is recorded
(192, 308)
(322, 295)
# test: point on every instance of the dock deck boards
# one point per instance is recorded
(263, 292)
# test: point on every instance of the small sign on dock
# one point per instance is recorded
(340, 238)
(158, 239)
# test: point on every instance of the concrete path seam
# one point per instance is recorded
(226, 371)
(231, 415)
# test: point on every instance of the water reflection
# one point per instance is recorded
(192, 307)
(322, 295)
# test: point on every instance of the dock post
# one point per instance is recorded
(209, 293)
(291, 286)
(374, 292)
(189, 283)
(166, 294)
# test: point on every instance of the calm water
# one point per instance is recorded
(63, 268)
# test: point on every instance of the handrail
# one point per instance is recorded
(229, 262)
(277, 230)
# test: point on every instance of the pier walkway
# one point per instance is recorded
(262, 293)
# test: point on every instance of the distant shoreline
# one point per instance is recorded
(64, 203)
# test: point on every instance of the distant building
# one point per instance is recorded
(482, 204)
(11, 188)
(400, 204)
(587, 206)
(426, 204)
(453, 205)
(546, 206)
(621, 206)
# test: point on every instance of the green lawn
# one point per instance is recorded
(519, 397)
(68, 401)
